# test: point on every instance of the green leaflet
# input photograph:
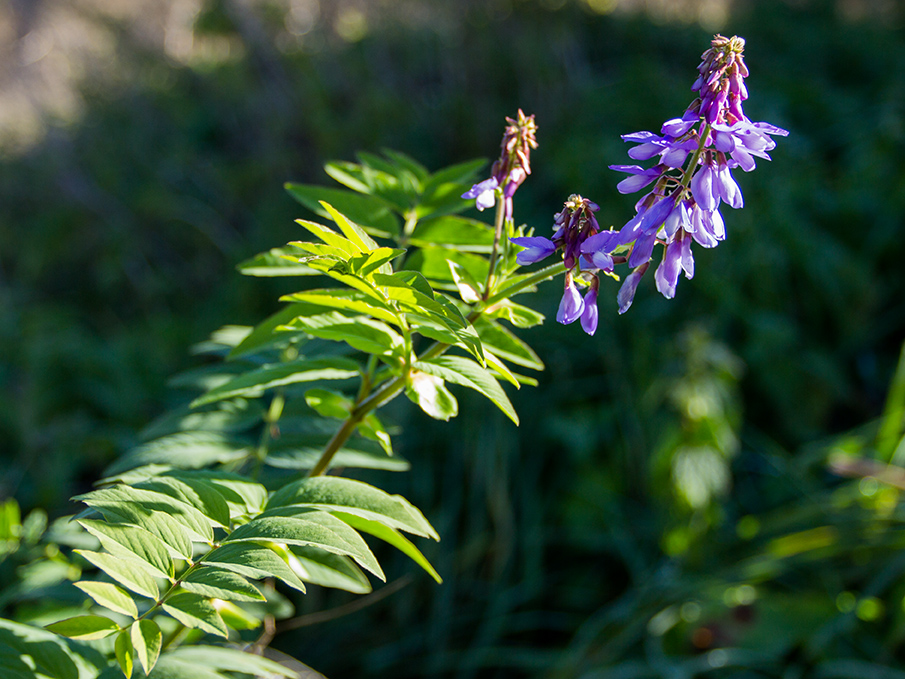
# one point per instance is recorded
(193, 610)
(274, 263)
(350, 230)
(341, 244)
(227, 660)
(328, 570)
(315, 528)
(221, 583)
(256, 382)
(377, 260)
(362, 333)
(467, 373)
(243, 495)
(109, 596)
(335, 493)
(127, 572)
(186, 450)
(84, 627)
(391, 536)
(161, 514)
(146, 642)
(125, 653)
(132, 542)
(255, 561)
(431, 395)
(500, 341)
(457, 233)
(265, 335)
(347, 300)
(195, 492)
(459, 174)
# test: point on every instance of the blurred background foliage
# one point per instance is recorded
(676, 501)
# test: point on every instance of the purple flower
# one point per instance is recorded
(667, 274)
(626, 293)
(640, 179)
(536, 249)
(572, 305)
(589, 315)
(483, 193)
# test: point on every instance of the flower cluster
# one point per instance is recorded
(576, 233)
(683, 205)
(511, 168)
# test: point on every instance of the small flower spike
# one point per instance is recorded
(511, 168)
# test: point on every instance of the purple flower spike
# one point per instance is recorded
(483, 193)
(572, 305)
(536, 249)
(589, 316)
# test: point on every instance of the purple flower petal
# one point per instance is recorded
(536, 249)
(572, 305)
(483, 193)
(687, 258)
(702, 187)
(626, 293)
(589, 316)
(728, 189)
(667, 274)
(643, 249)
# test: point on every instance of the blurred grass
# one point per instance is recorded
(570, 546)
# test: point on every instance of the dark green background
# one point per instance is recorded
(119, 233)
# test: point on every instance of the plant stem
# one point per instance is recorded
(693, 163)
(497, 232)
(538, 276)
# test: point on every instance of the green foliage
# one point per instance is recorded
(196, 520)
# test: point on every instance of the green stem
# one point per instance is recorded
(392, 388)
(693, 163)
(176, 584)
(497, 231)
(538, 276)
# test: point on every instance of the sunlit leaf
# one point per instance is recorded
(84, 627)
(335, 493)
(109, 596)
(255, 382)
(194, 610)
(146, 641)
(467, 373)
